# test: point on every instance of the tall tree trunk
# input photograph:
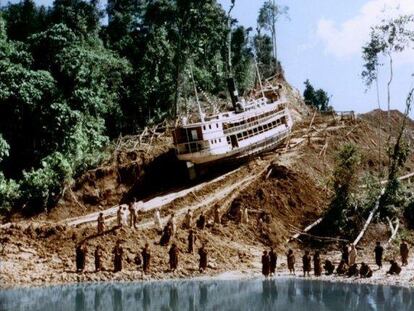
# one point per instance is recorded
(389, 92)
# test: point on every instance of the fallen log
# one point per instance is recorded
(370, 217)
(308, 228)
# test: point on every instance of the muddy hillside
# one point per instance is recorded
(283, 191)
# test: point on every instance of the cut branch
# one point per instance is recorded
(370, 217)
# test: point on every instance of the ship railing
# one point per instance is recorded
(253, 123)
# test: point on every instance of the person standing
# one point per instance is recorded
(188, 220)
(81, 252)
(404, 251)
(273, 261)
(157, 219)
(345, 254)
(166, 235)
(119, 216)
(146, 258)
(202, 252)
(379, 251)
(191, 240)
(265, 264)
(201, 222)
(118, 252)
(352, 255)
(101, 223)
(217, 216)
(132, 215)
(173, 254)
(291, 261)
(98, 258)
(172, 224)
(306, 261)
(317, 266)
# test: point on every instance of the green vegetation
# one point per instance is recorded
(317, 99)
(70, 83)
(337, 218)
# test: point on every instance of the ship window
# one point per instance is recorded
(194, 135)
(217, 125)
(220, 140)
(204, 127)
(255, 130)
(239, 135)
(209, 126)
(260, 128)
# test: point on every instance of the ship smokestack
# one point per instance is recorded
(234, 94)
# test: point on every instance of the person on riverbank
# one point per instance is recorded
(157, 219)
(201, 222)
(306, 261)
(173, 257)
(146, 258)
(342, 268)
(404, 251)
(191, 240)
(217, 216)
(166, 235)
(291, 261)
(353, 270)
(352, 255)
(202, 252)
(118, 252)
(379, 251)
(265, 264)
(188, 220)
(273, 261)
(132, 215)
(317, 266)
(101, 223)
(395, 268)
(98, 258)
(81, 252)
(172, 224)
(245, 215)
(329, 267)
(345, 254)
(365, 271)
(119, 216)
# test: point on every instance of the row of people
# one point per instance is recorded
(143, 260)
(269, 264)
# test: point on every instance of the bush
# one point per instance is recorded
(41, 188)
(9, 193)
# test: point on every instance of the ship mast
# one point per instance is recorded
(200, 112)
(258, 76)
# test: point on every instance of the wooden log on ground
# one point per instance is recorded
(308, 228)
(370, 217)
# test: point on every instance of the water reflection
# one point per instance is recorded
(278, 294)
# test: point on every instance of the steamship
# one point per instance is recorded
(252, 127)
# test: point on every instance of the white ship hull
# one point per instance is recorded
(226, 136)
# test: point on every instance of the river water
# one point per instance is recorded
(257, 294)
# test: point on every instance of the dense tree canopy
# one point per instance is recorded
(317, 99)
(69, 83)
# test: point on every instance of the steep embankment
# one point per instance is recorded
(287, 189)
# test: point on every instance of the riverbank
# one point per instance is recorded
(44, 279)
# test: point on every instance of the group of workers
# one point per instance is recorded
(347, 267)
(129, 216)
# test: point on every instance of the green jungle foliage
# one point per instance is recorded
(73, 76)
(317, 99)
(337, 219)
